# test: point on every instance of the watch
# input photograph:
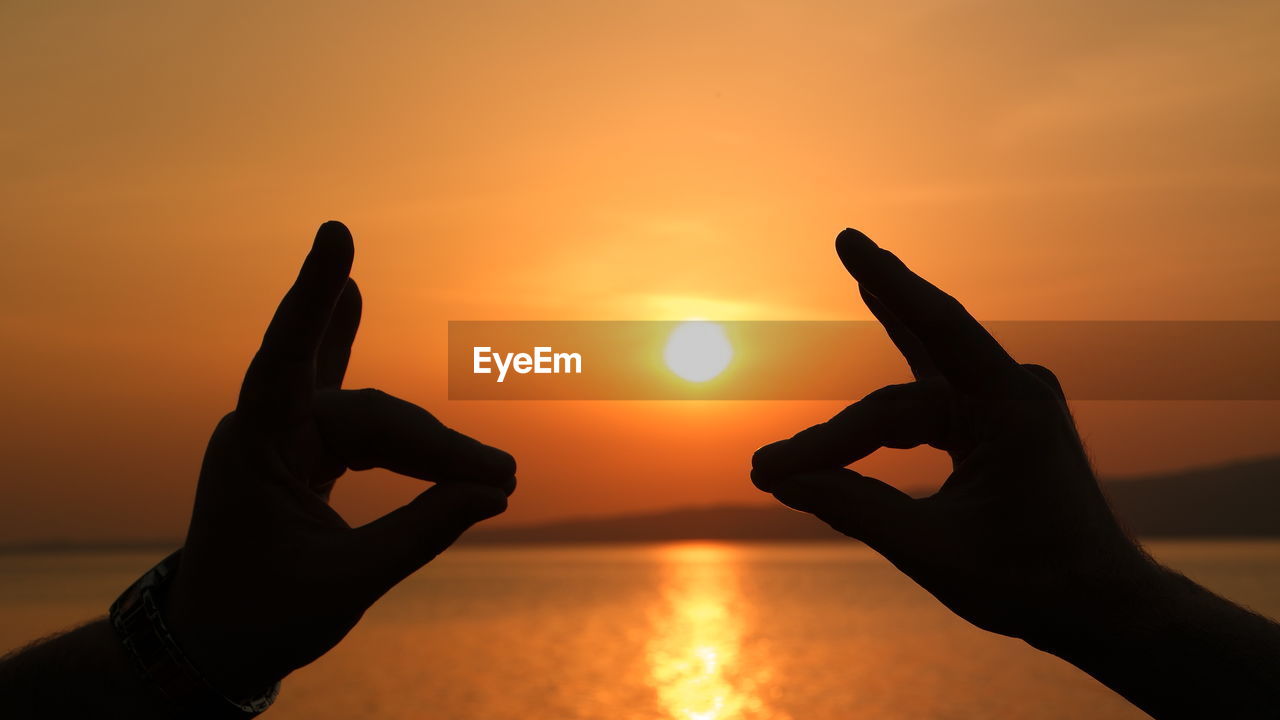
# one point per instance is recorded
(158, 658)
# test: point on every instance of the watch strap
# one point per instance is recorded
(158, 658)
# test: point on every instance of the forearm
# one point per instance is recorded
(81, 673)
(1179, 651)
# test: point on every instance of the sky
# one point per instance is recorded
(166, 164)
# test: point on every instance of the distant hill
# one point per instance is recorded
(1239, 499)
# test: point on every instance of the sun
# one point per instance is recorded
(698, 350)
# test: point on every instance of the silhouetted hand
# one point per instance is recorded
(1019, 539)
(270, 576)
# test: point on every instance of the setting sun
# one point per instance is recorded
(698, 350)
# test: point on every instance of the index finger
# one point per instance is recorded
(368, 428)
(897, 416)
(281, 377)
(961, 349)
(907, 343)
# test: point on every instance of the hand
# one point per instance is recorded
(271, 577)
(1019, 539)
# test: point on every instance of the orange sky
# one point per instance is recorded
(165, 167)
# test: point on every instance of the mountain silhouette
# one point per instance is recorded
(1238, 499)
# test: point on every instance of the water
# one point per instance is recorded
(690, 631)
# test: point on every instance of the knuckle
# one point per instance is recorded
(1044, 395)
(890, 396)
(888, 259)
(1044, 375)
(1040, 371)
(228, 427)
(894, 401)
(949, 303)
(369, 395)
(1031, 404)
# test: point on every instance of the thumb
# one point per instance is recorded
(395, 545)
(858, 506)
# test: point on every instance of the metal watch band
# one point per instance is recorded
(138, 623)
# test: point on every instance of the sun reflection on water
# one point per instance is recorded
(695, 653)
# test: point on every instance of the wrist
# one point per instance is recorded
(1107, 611)
(200, 642)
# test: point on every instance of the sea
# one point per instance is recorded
(673, 631)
